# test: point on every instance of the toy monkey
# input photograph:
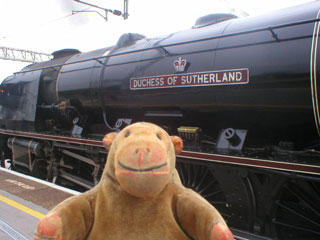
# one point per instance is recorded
(139, 196)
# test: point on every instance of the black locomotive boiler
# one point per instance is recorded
(242, 93)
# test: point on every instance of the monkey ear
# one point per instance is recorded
(108, 139)
(177, 143)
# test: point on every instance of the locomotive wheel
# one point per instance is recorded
(297, 211)
(200, 179)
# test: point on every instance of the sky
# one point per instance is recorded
(49, 25)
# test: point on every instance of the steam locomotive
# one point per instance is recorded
(242, 94)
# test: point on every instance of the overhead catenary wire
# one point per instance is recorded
(35, 28)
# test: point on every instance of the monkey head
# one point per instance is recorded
(142, 157)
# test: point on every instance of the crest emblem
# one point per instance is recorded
(180, 65)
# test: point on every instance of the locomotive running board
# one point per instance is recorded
(252, 162)
(90, 142)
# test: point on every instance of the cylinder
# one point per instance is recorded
(29, 145)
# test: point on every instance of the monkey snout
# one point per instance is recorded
(142, 150)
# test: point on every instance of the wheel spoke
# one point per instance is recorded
(296, 213)
(296, 227)
(195, 177)
(212, 194)
(210, 184)
(188, 175)
(181, 175)
(302, 199)
(201, 181)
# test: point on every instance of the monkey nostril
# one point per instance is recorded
(142, 151)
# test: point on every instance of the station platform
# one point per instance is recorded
(24, 200)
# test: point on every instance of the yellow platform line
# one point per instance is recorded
(21, 207)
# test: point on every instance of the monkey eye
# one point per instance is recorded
(127, 134)
(159, 136)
